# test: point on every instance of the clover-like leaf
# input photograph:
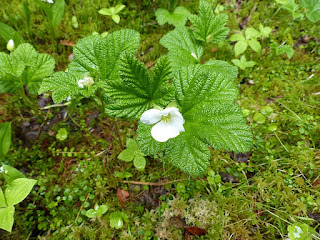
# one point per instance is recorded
(178, 18)
(313, 9)
(209, 28)
(137, 91)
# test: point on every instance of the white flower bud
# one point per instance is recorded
(10, 45)
(85, 82)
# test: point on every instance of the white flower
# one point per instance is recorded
(86, 81)
(169, 123)
(48, 1)
(68, 98)
(10, 45)
(1, 169)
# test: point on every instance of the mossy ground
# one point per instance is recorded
(260, 194)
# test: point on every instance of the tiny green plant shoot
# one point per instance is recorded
(184, 106)
(177, 18)
(113, 12)
(18, 186)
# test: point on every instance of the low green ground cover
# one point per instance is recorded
(256, 195)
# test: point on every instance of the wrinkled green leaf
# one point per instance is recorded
(222, 67)
(209, 28)
(137, 91)
(184, 49)
(146, 142)
(313, 9)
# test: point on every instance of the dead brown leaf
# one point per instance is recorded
(196, 231)
(122, 196)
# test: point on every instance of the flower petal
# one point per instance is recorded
(151, 116)
(177, 120)
(163, 131)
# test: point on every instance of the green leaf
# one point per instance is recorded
(240, 47)
(91, 213)
(259, 118)
(243, 63)
(195, 86)
(139, 162)
(137, 92)
(289, 5)
(62, 134)
(178, 18)
(116, 220)
(5, 138)
(207, 27)
(252, 33)
(285, 49)
(222, 67)
(313, 9)
(95, 55)
(10, 174)
(255, 45)
(105, 11)
(11, 65)
(132, 144)
(25, 54)
(237, 37)
(146, 142)
(65, 84)
(42, 68)
(57, 12)
(2, 199)
(126, 155)
(211, 117)
(299, 231)
(116, 18)
(265, 31)
(183, 48)
(118, 8)
(225, 126)
(6, 218)
(102, 210)
(18, 190)
(189, 152)
(7, 33)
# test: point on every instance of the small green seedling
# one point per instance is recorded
(250, 39)
(133, 153)
(117, 218)
(243, 63)
(177, 18)
(282, 49)
(74, 22)
(113, 12)
(265, 31)
(98, 211)
(62, 134)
